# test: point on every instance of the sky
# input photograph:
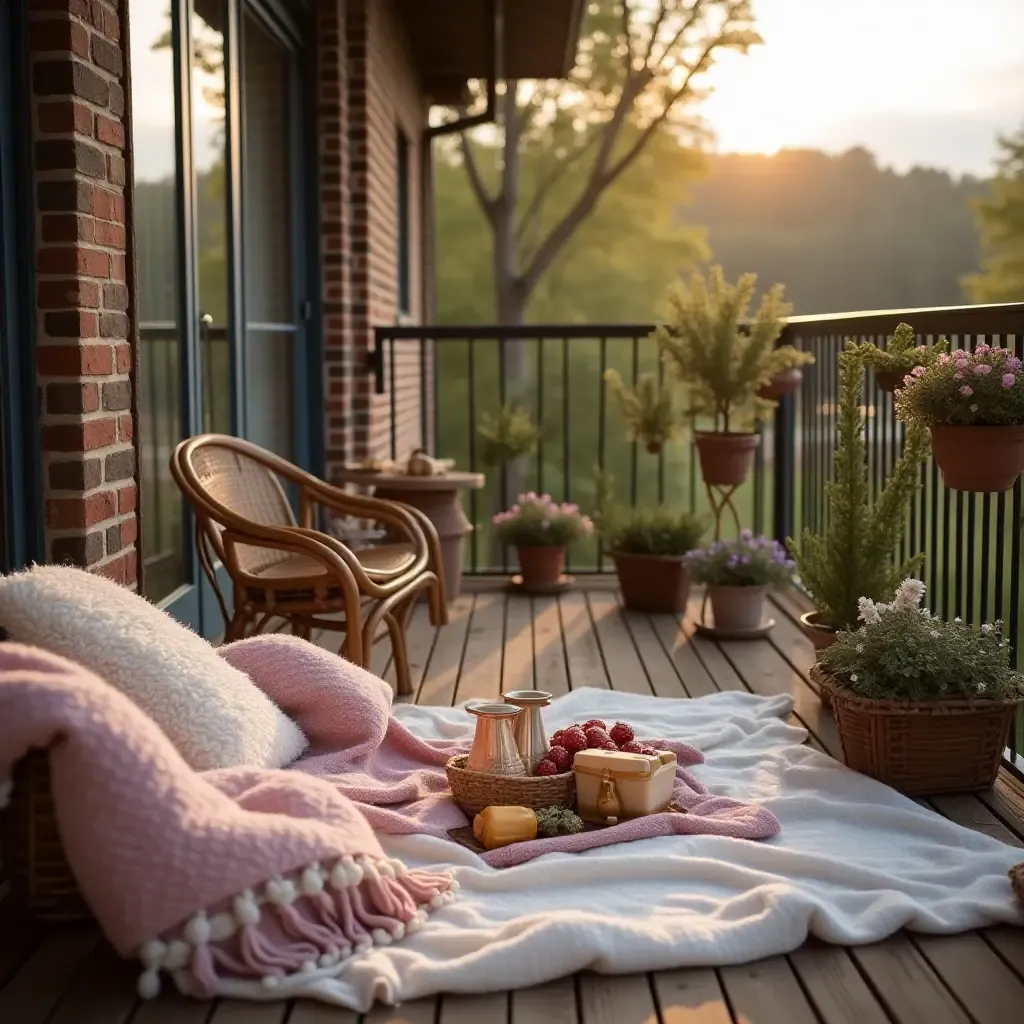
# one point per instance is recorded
(929, 82)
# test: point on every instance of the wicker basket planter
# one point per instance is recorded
(1017, 881)
(922, 748)
(473, 791)
(41, 879)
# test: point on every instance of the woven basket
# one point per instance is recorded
(41, 880)
(473, 791)
(923, 748)
(1017, 881)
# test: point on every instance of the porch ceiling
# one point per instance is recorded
(451, 40)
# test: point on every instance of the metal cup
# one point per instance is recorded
(529, 726)
(494, 750)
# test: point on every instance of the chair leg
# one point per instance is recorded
(438, 604)
(302, 629)
(403, 675)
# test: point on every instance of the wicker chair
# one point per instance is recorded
(280, 567)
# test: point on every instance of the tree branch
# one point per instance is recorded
(654, 32)
(544, 187)
(626, 37)
(691, 20)
(487, 202)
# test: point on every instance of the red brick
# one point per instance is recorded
(115, 169)
(129, 531)
(68, 227)
(109, 131)
(118, 268)
(65, 116)
(110, 234)
(79, 437)
(126, 500)
(70, 155)
(74, 360)
(73, 260)
(125, 428)
(124, 358)
(68, 513)
(68, 294)
(106, 55)
(71, 324)
(72, 398)
(108, 206)
(117, 570)
(57, 34)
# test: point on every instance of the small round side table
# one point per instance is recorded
(439, 499)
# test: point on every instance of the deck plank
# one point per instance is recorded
(553, 1003)
(102, 993)
(582, 654)
(622, 662)
(678, 644)
(617, 999)
(481, 1009)
(906, 983)
(19, 937)
(419, 643)
(30, 996)
(442, 674)
(715, 662)
(517, 664)
(661, 671)
(419, 1011)
(835, 986)
(550, 670)
(1009, 944)
(987, 988)
(480, 678)
(240, 1011)
(1006, 799)
(172, 1008)
(692, 996)
(306, 1011)
(766, 992)
(967, 810)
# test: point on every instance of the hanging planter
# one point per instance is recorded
(651, 411)
(783, 383)
(725, 459)
(899, 357)
(888, 380)
(978, 459)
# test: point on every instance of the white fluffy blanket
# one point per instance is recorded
(855, 862)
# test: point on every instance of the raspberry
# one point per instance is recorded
(621, 733)
(598, 739)
(650, 751)
(594, 723)
(560, 757)
(546, 767)
(556, 738)
(574, 739)
(632, 747)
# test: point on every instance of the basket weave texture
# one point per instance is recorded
(473, 791)
(922, 748)
(1017, 881)
(41, 879)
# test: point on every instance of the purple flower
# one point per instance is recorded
(1013, 363)
(967, 391)
(981, 369)
(744, 559)
(1008, 380)
(958, 375)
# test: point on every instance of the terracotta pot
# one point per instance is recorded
(979, 459)
(737, 609)
(726, 459)
(653, 583)
(817, 632)
(782, 384)
(654, 447)
(541, 566)
(888, 380)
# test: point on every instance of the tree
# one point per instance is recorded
(639, 72)
(1000, 220)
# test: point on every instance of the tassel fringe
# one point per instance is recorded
(314, 920)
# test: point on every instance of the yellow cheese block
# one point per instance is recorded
(499, 826)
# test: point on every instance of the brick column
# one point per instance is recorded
(83, 354)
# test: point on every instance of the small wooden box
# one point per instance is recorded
(614, 784)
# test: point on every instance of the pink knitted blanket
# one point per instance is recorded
(397, 779)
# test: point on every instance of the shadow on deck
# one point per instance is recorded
(495, 643)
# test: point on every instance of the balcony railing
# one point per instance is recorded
(972, 543)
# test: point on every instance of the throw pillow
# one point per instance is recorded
(213, 713)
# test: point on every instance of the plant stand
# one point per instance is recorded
(720, 500)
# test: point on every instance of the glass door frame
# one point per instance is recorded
(21, 520)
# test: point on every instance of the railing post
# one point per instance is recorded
(783, 467)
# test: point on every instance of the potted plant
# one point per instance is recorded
(973, 405)
(852, 557)
(900, 355)
(651, 412)
(738, 574)
(723, 358)
(922, 705)
(784, 373)
(540, 528)
(507, 437)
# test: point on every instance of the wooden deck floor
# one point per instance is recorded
(494, 643)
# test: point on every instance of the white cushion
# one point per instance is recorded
(214, 714)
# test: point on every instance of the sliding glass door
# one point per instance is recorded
(220, 238)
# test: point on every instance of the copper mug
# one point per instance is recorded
(531, 740)
(494, 750)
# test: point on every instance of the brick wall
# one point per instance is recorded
(385, 96)
(83, 353)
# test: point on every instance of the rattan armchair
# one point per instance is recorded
(284, 567)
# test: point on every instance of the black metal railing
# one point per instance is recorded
(438, 380)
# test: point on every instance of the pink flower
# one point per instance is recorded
(1008, 380)
(981, 369)
(944, 359)
(1013, 363)
(958, 375)
(967, 391)
(918, 371)
(973, 407)
(982, 349)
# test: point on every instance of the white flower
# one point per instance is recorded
(909, 596)
(868, 611)
(986, 628)
(958, 620)
(934, 633)
(853, 677)
(860, 648)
